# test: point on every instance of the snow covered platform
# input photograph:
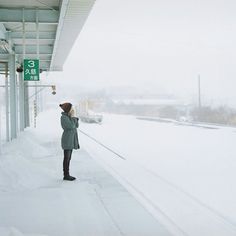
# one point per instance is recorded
(183, 175)
(35, 201)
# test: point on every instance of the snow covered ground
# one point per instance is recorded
(34, 201)
(183, 175)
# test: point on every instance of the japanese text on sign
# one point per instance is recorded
(31, 70)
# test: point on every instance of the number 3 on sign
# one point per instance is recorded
(31, 64)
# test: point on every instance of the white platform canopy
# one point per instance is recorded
(41, 29)
(34, 29)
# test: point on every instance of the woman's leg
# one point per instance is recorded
(66, 165)
(66, 162)
(69, 158)
(70, 154)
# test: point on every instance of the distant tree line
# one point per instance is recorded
(219, 115)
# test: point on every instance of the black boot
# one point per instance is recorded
(69, 178)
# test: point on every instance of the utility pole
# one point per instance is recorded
(199, 92)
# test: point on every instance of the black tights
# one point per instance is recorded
(66, 162)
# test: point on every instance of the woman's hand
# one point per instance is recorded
(72, 112)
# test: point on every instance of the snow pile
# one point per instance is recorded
(20, 159)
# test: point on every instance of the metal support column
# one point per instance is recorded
(36, 88)
(17, 99)
(26, 89)
(26, 105)
(13, 107)
(21, 102)
(7, 103)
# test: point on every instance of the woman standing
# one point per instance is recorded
(69, 139)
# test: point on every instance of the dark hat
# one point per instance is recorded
(66, 107)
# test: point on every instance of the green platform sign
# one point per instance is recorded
(31, 70)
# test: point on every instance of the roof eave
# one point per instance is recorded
(71, 13)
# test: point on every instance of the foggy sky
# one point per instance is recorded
(161, 45)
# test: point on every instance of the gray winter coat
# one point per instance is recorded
(69, 139)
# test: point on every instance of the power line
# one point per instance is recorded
(109, 149)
